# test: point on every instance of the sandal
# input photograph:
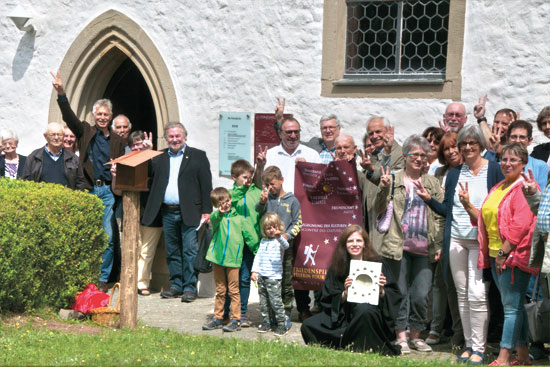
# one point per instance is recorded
(517, 362)
(144, 292)
(464, 359)
(477, 363)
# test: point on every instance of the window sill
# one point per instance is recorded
(389, 81)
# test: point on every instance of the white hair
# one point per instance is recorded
(327, 118)
(9, 134)
(384, 120)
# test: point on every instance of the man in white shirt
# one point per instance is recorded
(290, 151)
(285, 156)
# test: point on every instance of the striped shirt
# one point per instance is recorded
(268, 261)
(462, 227)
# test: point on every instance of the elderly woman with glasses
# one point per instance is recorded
(413, 239)
(11, 163)
(506, 228)
(460, 238)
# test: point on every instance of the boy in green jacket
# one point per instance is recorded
(245, 194)
(230, 234)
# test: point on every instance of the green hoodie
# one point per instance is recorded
(244, 200)
(230, 233)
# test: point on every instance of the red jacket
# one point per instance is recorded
(516, 224)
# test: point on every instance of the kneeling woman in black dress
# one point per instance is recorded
(355, 326)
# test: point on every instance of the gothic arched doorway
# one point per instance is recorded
(95, 66)
(131, 97)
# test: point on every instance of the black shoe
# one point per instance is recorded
(264, 327)
(171, 293)
(188, 296)
(280, 331)
(234, 325)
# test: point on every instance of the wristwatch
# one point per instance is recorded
(502, 253)
(481, 119)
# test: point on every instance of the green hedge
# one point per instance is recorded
(51, 243)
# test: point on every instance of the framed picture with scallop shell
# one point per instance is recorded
(364, 288)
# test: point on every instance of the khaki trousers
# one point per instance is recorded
(227, 281)
(147, 244)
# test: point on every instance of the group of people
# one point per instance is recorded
(456, 207)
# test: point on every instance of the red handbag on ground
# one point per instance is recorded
(90, 298)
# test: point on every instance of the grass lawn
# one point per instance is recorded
(49, 341)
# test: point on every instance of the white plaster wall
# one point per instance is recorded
(238, 55)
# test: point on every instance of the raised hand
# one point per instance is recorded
(261, 157)
(388, 139)
(512, 117)
(444, 127)
(479, 108)
(57, 83)
(113, 169)
(148, 141)
(463, 194)
(385, 178)
(494, 139)
(365, 163)
(280, 109)
(264, 195)
(529, 185)
(421, 190)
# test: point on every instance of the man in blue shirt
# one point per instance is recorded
(181, 182)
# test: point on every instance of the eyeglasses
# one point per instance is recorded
(451, 114)
(511, 160)
(290, 132)
(55, 135)
(329, 127)
(466, 143)
(417, 155)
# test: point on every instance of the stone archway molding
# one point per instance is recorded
(95, 55)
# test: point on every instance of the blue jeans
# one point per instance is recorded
(181, 250)
(515, 331)
(244, 281)
(109, 225)
(415, 283)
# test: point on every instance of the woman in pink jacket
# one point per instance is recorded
(506, 226)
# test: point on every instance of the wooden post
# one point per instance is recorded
(128, 276)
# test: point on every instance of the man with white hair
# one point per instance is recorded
(97, 147)
(122, 126)
(330, 130)
(51, 163)
(454, 117)
(381, 135)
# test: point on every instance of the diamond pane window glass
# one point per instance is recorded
(397, 37)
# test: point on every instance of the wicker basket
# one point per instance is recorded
(108, 316)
